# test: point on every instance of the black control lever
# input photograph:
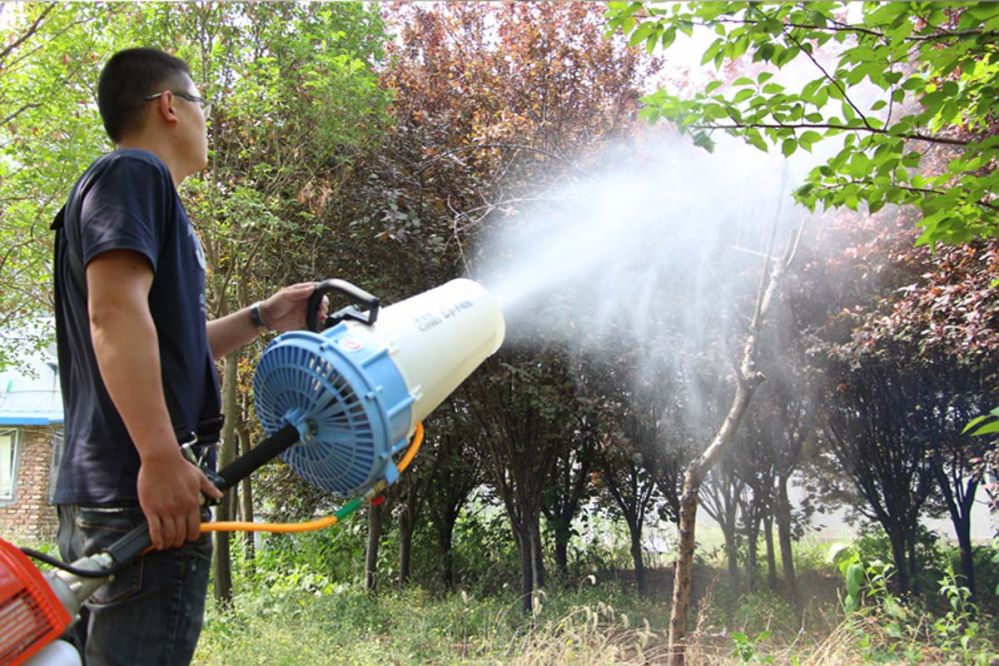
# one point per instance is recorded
(368, 314)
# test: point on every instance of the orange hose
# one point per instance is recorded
(414, 446)
(278, 528)
(319, 523)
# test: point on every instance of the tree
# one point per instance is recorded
(771, 446)
(450, 473)
(49, 132)
(756, 501)
(748, 378)
(570, 485)
(408, 512)
(493, 102)
(522, 407)
(877, 417)
(793, 398)
(882, 297)
(721, 496)
(929, 66)
(631, 488)
(955, 457)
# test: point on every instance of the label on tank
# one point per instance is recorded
(428, 320)
(349, 343)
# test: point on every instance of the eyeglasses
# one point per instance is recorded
(201, 101)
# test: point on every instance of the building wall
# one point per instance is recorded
(30, 518)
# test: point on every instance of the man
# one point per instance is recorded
(136, 362)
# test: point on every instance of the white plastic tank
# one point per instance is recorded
(437, 338)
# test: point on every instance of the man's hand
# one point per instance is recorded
(285, 309)
(170, 490)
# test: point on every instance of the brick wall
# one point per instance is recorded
(30, 518)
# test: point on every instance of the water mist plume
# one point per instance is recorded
(656, 232)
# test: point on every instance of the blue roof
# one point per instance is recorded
(30, 419)
(29, 392)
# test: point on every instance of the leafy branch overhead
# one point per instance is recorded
(926, 137)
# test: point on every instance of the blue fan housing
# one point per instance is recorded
(347, 398)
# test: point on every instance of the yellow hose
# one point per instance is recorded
(319, 523)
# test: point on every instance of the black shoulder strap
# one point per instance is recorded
(75, 262)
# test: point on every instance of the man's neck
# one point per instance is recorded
(161, 149)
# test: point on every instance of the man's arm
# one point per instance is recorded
(283, 311)
(229, 333)
(127, 351)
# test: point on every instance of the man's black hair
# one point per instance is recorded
(128, 77)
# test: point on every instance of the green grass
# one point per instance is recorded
(401, 627)
(302, 619)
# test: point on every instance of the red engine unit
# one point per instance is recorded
(30, 613)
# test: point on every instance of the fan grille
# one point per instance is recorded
(305, 378)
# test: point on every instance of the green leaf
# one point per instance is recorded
(854, 579)
(642, 32)
(809, 138)
(788, 147)
(974, 422)
(987, 429)
(754, 137)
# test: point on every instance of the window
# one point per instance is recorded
(57, 448)
(8, 463)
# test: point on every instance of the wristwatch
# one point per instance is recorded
(257, 320)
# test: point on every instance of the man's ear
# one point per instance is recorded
(164, 107)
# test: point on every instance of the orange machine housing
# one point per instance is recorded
(31, 614)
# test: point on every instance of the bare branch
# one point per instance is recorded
(26, 34)
(483, 146)
(872, 130)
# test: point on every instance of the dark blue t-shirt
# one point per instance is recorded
(127, 200)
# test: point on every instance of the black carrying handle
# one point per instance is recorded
(133, 544)
(358, 298)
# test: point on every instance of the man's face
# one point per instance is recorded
(194, 130)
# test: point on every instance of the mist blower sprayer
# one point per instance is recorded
(338, 402)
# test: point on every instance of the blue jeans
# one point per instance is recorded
(151, 612)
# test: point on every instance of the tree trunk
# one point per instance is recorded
(636, 557)
(405, 543)
(768, 535)
(445, 535)
(752, 549)
(221, 564)
(537, 554)
(732, 557)
(747, 381)
(967, 553)
(683, 568)
(913, 581)
(526, 568)
(783, 515)
(692, 479)
(246, 504)
(898, 552)
(563, 532)
(959, 507)
(371, 558)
